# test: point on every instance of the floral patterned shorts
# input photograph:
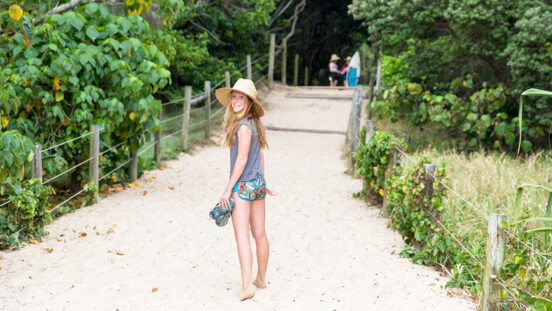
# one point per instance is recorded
(252, 190)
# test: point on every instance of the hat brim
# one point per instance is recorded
(224, 94)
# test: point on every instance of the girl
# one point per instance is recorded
(245, 135)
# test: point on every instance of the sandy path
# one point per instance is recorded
(328, 250)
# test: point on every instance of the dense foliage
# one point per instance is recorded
(463, 65)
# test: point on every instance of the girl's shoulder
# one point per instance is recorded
(250, 123)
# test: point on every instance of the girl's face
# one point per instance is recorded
(239, 101)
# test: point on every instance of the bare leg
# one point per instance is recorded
(261, 241)
(240, 221)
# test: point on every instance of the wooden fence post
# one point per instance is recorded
(370, 98)
(296, 70)
(186, 118)
(284, 61)
(378, 75)
(271, 60)
(208, 107)
(37, 162)
(133, 166)
(249, 71)
(370, 129)
(356, 113)
(494, 256)
(429, 169)
(306, 75)
(227, 74)
(389, 170)
(95, 159)
(157, 146)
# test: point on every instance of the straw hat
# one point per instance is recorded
(348, 58)
(245, 86)
(334, 57)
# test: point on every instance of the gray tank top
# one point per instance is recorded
(253, 169)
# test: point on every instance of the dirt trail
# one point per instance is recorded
(160, 251)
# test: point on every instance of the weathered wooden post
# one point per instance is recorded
(186, 118)
(284, 60)
(249, 71)
(355, 124)
(357, 116)
(370, 129)
(370, 98)
(306, 76)
(494, 256)
(133, 166)
(271, 60)
(37, 162)
(95, 159)
(429, 169)
(378, 75)
(296, 70)
(208, 108)
(227, 74)
(157, 147)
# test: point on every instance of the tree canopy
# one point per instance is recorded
(472, 60)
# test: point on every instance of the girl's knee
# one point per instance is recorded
(259, 234)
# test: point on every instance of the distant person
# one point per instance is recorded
(335, 73)
(245, 136)
(345, 71)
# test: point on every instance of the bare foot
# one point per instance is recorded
(259, 283)
(247, 293)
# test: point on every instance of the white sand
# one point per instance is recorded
(329, 251)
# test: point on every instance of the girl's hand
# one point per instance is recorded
(223, 201)
(271, 192)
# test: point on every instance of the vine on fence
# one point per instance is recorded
(372, 159)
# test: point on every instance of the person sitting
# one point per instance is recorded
(334, 70)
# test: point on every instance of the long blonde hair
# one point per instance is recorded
(231, 120)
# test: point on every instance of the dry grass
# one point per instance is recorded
(488, 180)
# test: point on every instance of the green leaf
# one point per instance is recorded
(92, 33)
(91, 8)
(526, 145)
(472, 116)
(77, 22)
(541, 229)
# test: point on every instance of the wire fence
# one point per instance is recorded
(196, 125)
(506, 285)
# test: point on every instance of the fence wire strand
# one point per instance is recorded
(5, 203)
(526, 245)
(171, 134)
(114, 170)
(66, 171)
(70, 140)
(511, 294)
(173, 118)
(114, 147)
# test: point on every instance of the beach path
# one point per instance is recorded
(154, 247)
